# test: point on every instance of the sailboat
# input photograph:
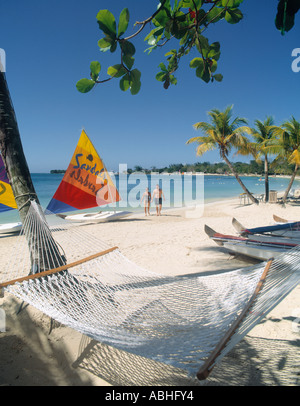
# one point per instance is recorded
(7, 201)
(86, 184)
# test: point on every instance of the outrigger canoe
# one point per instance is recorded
(291, 230)
(253, 248)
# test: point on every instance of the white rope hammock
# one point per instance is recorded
(189, 322)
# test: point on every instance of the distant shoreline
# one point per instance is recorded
(62, 171)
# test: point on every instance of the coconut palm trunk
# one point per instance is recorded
(266, 179)
(288, 147)
(12, 152)
(17, 169)
(251, 197)
(290, 184)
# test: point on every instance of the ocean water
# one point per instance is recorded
(179, 190)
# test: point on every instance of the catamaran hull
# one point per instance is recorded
(10, 228)
(96, 217)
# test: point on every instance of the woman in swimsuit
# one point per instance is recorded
(147, 197)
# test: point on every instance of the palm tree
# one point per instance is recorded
(17, 168)
(264, 136)
(223, 135)
(288, 147)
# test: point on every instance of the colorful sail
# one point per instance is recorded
(86, 182)
(7, 199)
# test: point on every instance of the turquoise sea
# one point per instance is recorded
(179, 190)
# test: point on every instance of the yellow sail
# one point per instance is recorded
(86, 182)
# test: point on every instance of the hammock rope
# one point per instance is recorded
(188, 321)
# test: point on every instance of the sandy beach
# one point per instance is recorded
(172, 244)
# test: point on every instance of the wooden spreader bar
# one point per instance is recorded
(59, 269)
(206, 368)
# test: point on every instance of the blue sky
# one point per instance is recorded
(50, 44)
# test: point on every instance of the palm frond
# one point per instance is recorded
(294, 158)
(202, 148)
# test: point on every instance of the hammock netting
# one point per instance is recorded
(177, 320)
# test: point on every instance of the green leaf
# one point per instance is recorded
(116, 70)
(128, 61)
(163, 67)
(202, 72)
(203, 45)
(173, 80)
(95, 68)
(196, 62)
(214, 65)
(162, 17)
(114, 46)
(161, 76)
(127, 48)
(135, 85)
(107, 23)
(105, 43)
(218, 77)
(154, 34)
(123, 21)
(125, 82)
(233, 16)
(85, 85)
(215, 15)
(231, 3)
(177, 25)
(191, 3)
(285, 17)
(172, 52)
(214, 51)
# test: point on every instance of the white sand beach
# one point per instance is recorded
(172, 244)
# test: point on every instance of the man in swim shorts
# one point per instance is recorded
(158, 195)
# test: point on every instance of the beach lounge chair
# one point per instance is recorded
(260, 197)
(244, 198)
(295, 196)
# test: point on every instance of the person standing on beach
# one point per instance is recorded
(158, 195)
(147, 197)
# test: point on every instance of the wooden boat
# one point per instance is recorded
(86, 184)
(291, 230)
(279, 219)
(249, 247)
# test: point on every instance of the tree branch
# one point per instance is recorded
(145, 22)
